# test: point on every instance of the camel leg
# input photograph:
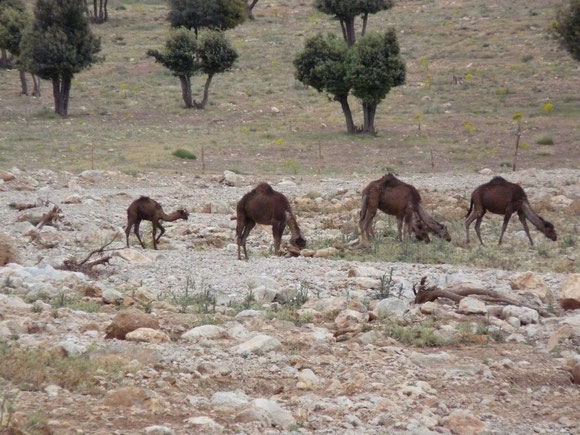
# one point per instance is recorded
(366, 225)
(400, 228)
(162, 231)
(154, 224)
(474, 215)
(128, 231)
(277, 231)
(478, 227)
(138, 235)
(525, 225)
(246, 232)
(506, 220)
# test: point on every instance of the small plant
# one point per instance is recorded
(417, 117)
(184, 154)
(292, 165)
(386, 286)
(470, 128)
(545, 140)
(518, 118)
(548, 107)
(7, 406)
(205, 299)
(301, 295)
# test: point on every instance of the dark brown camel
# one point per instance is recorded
(147, 209)
(499, 196)
(263, 205)
(394, 197)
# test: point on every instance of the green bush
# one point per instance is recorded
(184, 154)
(545, 140)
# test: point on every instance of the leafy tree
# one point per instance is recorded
(323, 65)
(59, 45)
(5, 61)
(375, 67)
(345, 11)
(13, 21)
(566, 28)
(211, 14)
(185, 56)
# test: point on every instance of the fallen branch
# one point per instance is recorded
(22, 205)
(85, 266)
(50, 217)
(423, 294)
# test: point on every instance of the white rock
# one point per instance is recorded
(248, 313)
(259, 343)
(147, 335)
(526, 315)
(350, 318)
(135, 257)
(14, 302)
(470, 305)
(204, 424)
(111, 296)
(204, 332)
(486, 171)
(229, 401)
(278, 415)
(569, 296)
(307, 380)
(159, 430)
(274, 109)
(69, 348)
(232, 179)
(391, 307)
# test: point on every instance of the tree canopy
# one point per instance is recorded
(13, 21)
(185, 56)
(566, 28)
(59, 45)
(211, 14)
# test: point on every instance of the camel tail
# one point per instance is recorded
(470, 208)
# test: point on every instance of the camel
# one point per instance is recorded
(147, 209)
(402, 200)
(263, 205)
(499, 196)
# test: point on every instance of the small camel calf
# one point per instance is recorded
(499, 196)
(147, 209)
(394, 197)
(263, 205)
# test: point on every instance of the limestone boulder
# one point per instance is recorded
(147, 335)
(129, 320)
(569, 296)
(530, 282)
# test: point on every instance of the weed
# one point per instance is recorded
(204, 299)
(386, 286)
(416, 335)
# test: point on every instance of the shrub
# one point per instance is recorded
(184, 154)
(545, 140)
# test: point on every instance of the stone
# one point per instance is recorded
(329, 307)
(6, 176)
(159, 430)
(307, 380)
(259, 343)
(326, 252)
(204, 332)
(8, 251)
(204, 424)
(462, 421)
(365, 282)
(229, 401)
(486, 171)
(126, 397)
(391, 307)
(560, 202)
(52, 390)
(268, 412)
(526, 315)
(569, 296)
(14, 302)
(531, 282)
(246, 314)
(470, 305)
(429, 307)
(370, 337)
(274, 109)
(130, 320)
(432, 360)
(562, 333)
(147, 335)
(92, 175)
(349, 319)
(368, 271)
(113, 297)
(232, 179)
(70, 348)
(134, 256)
(575, 372)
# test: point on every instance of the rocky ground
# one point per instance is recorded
(189, 339)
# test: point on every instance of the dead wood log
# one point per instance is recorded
(50, 217)
(85, 266)
(22, 205)
(423, 294)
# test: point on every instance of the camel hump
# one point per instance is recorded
(498, 180)
(388, 179)
(144, 198)
(264, 188)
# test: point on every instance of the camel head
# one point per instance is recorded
(445, 234)
(299, 241)
(182, 214)
(548, 229)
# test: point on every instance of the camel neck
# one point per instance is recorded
(293, 225)
(532, 217)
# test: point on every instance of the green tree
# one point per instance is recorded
(185, 56)
(5, 61)
(323, 65)
(210, 14)
(374, 67)
(59, 45)
(13, 21)
(346, 11)
(566, 28)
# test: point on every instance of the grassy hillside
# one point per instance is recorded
(130, 109)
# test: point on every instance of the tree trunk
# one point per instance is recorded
(347, 114)
(4, 61)
(101, 12)
(369, 110)
(23, 83)
(251, 5)
(364, 27)
(205, 93)
(36, 81)
(61, 91)
(106, 17)
(95, 10)
(350, 33)
(186, 91)
(343, 28)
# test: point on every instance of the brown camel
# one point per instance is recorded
(263, 205)
(402, 200)
(499, 196)
(147, 209)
